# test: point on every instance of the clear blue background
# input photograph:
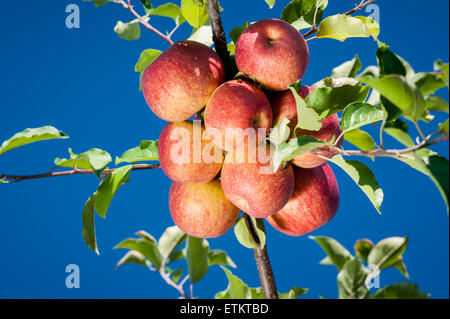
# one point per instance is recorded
(82, 81)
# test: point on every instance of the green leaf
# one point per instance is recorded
(436, 103)
(98, 3)
(146, 58)
(401, 93)
(109, 187)
(308, 119)
(203, 34)
(388, 62)
(347, 69)
(128, 31)
(352, 280)
(176, 274)
(144, 246)
(220, 257)
(342, 27)
(300, 13)
(400, 265)
(280, 133)
(170, 240)
(359, 114)
(88, 218)
(398, 129)
(333, 95)
(387, 252)
(147, 151)
(443, 127)
(337, 253)
(231, 47)
(371, 24)
(296, 146)
(195, 12)
(97, 158)
(428, 83)
(243, 234)
(400, 290)
(237, 31)
(169, 10)
(134, 257)
(434, 166)
(443, 67)
(236, 289)
(363, 248)
(360, 139)
(31, 135)
(73, 161)
(293, 293)
(197, 250)
(94, 159)
(176, 255)
(363, 177)
(271, 3)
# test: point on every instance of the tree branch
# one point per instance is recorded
(127, 5)
(265, 271)
(383, 152)
(363, 4)
(19, 178)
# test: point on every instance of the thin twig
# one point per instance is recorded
(416, 124)
(363, 4)
(166, 276)
(19, 178)
(393, 152)
(127, 5)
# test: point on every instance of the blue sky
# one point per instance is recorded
(83, 82)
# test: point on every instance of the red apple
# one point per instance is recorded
(273, 52)
(313, 204)
(236, 110)
(249, 182)
(180, 81)
(283, 105)
(187, 154)
(201, 210)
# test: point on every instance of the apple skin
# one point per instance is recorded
(283, 105)
(273, 52)
(187, 170)
(180, 81)
(237, 105)
(201, 210)
(257, 194)
(313, 204)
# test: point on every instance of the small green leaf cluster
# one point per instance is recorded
(237, 289)
(159, 255)
(354, 277)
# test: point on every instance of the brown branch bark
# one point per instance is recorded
(359, 7)
(19, 178)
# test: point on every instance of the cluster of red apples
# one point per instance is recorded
(206, 197)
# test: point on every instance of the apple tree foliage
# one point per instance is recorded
(390, 95)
